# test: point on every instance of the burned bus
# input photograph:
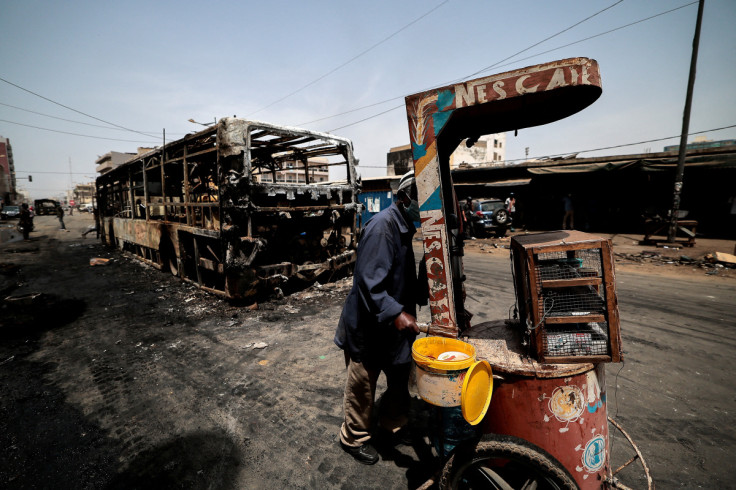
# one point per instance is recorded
(239, 208)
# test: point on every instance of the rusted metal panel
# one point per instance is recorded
(565, 416)
(138, 232)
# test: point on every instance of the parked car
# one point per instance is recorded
(10, 212)
(86, 208)
(491, 217)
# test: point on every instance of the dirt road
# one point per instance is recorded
(120, 376)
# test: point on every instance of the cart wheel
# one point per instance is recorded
(504, 462)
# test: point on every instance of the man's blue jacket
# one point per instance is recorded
(384, 285)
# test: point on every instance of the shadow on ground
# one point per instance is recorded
(29, 315)
(201, 460)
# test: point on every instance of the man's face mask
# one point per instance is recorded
(413, 210)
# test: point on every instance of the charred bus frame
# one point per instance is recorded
(213, 209)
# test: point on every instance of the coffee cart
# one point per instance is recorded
(546, 424)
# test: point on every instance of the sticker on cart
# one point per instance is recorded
(567, 403)
(595, 454)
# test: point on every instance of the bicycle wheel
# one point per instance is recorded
(504, 462)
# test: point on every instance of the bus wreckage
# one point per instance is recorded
(239, 209)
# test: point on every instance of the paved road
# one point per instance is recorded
(125, 377)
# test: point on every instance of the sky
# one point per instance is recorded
(74, 72)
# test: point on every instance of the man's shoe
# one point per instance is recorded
(365, 454)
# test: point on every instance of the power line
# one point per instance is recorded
(73, 134)
(544, 40)
(592, 37)
(623, 145)
(72, 109)
(152, 134)
(594, 149)
(496, 65)
(367, 118)
(351, 59)
(453, 81)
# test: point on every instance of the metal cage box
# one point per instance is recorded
(566, 296)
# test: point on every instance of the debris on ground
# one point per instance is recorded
(722, 258)
(98, 261)
(710, 262)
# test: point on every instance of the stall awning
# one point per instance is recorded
(583, 168)
(500, 183)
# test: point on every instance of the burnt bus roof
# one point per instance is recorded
(289, 141)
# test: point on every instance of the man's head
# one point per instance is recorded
(406, 195)
(407, 187)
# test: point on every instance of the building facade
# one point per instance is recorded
(113, 159)
(7, 173)
(293, 172)
(488, 151)
(83, 194)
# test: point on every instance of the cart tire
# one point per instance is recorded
(504, 462)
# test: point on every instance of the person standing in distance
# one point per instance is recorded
(26, 221)
(378, 325)
(60, 215)
(511, 209)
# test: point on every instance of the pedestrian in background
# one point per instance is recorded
(25, 222)
(511, 209)
(469, 219)
(60, 215)
(378, 326)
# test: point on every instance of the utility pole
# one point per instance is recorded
(71, 183)
(685, 127)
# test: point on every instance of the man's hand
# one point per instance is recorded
(406, 321)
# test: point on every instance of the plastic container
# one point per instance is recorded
(441, 382)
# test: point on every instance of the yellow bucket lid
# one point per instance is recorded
(477, 390)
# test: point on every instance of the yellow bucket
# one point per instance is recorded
(454, 380)
(440, 382)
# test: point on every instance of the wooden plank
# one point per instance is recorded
(576, 359)
(568, 283)
(566, 247)
(609, 276)
(575, 319)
